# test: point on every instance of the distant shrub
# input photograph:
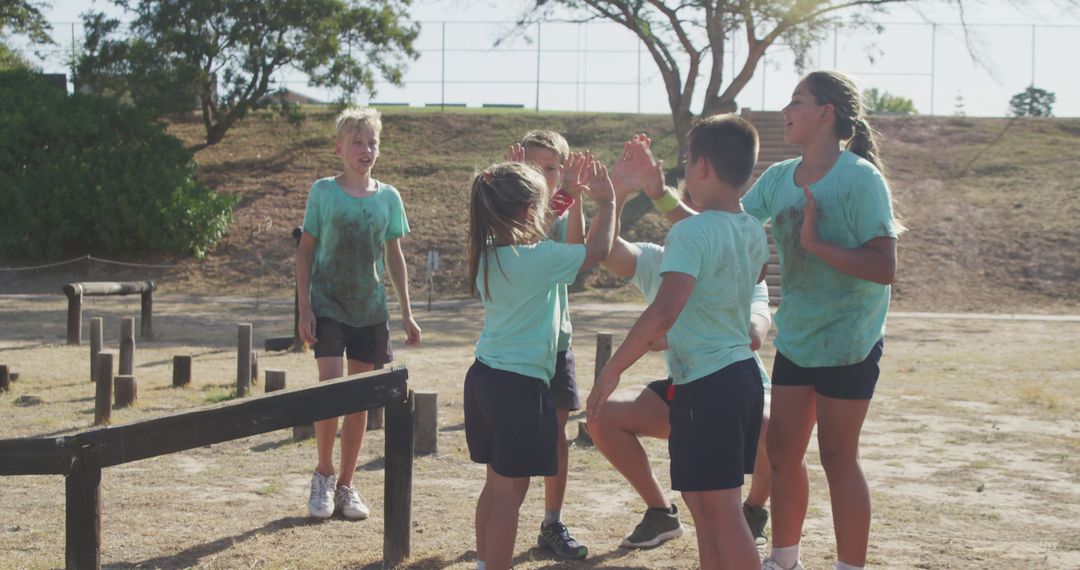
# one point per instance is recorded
(86, 173)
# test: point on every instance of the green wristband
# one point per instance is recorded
(666, 203)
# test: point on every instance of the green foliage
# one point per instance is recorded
(11, 59)
(885, 102)
(24, 17)
(1032, 102)
(85, 173)
(227, 54)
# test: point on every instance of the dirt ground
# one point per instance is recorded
(972, 450)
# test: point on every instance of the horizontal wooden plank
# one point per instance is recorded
(93, 288)
(37, 456)
(242, 418)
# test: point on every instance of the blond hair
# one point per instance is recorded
(550, 140)
(353, 118)
(498, 196)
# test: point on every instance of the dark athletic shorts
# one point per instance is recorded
(715, 423)
(852, 382)
(564, 384)
(369, 344)
(664, 388)
(510, 422)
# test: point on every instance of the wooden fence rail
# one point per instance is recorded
(82, 456)
(76, 291)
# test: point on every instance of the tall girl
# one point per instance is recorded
(835, 231)
(510, 421)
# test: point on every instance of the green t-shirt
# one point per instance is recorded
(566, 330)
(826, 318)
(521, 316)
(724, 252)
(647, 280)
(349, 233)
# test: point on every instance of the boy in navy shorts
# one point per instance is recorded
(711, 264)
(351, 223)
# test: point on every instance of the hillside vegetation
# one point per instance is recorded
(991, 205)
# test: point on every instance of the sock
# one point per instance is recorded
(480, 565)
(787, 556)
(846, 566)
(552, 517)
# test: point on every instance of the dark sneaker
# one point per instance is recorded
(756, 519)
(556, 538)
(657, 526)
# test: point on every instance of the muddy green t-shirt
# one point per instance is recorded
(566, 330)
(724, 252)
(349, 233)
(826, 318)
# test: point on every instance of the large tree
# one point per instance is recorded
(21, 17)
(228, 55)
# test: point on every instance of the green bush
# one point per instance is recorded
(88, 174)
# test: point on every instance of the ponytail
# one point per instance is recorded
(863, 142)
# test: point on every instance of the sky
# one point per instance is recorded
(599, 67)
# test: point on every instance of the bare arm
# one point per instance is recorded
(874, 260)
(399, 276)
(305, 253)
(602, 230)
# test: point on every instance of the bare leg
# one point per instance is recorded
(791, 421)
(352, 432)
(499, 525)
(724, 540)
(555, 486)
(839, 425)
(615, 433)
(330, 367)
(762, 479)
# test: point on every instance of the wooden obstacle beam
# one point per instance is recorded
(82, 457)
(5, 378)
(127, 346)
(103, 393)
(181, 371)
(125, 391)
(426, 416)
(603, 353)
(96, 336)
(76, 291)
(243, 359)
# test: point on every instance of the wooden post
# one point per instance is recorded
(181, 370)
(127, 346)
(298, 345)
(125, 390)
(426, 416)
(103, 394)
(603, 352)
(254, 368)
(397, 483)
(275, 380)
(5, 378)
(146, 320)
(74, 315)
(83, 510)
(243, 360)
(375, 419)
(96, 324)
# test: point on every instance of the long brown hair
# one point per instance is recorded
(499, 196)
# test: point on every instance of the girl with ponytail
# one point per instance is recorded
(510, 419)
(835, 231)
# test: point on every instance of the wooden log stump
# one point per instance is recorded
(181, 370)
(96, 336)
(254, 368)
(83, 513)
(127, 346)
(426, 417)
(397, 486)
(103, 394)
(275, 380)
(583, 436)
(5, 378)
(74, 314)
(603, 352)
(375, 419)
(146, 316)
(243, 359)
(125, 390)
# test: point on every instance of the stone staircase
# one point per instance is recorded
(770, 126)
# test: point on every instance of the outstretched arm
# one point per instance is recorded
(305, 255)
(399, 276)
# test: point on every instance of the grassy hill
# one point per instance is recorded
(991, 204)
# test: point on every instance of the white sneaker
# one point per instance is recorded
(321, 502)
(770, 564)
(350, 504)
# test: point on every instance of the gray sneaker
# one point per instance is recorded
(657, 526)
(756, 518)
(321, 501)
(349, 503)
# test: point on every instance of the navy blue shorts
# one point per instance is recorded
(369, 344)
(852, 382)
(510, 422)
(664, 388)
(715, 423)
(564, 390)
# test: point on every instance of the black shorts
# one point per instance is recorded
(852, 382)
(369, 344)
(664, 388)
(564, 390)
(715, 423)
(510, 422)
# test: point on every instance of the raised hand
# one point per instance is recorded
(515, 154)
(599, 187)
(575, 173)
